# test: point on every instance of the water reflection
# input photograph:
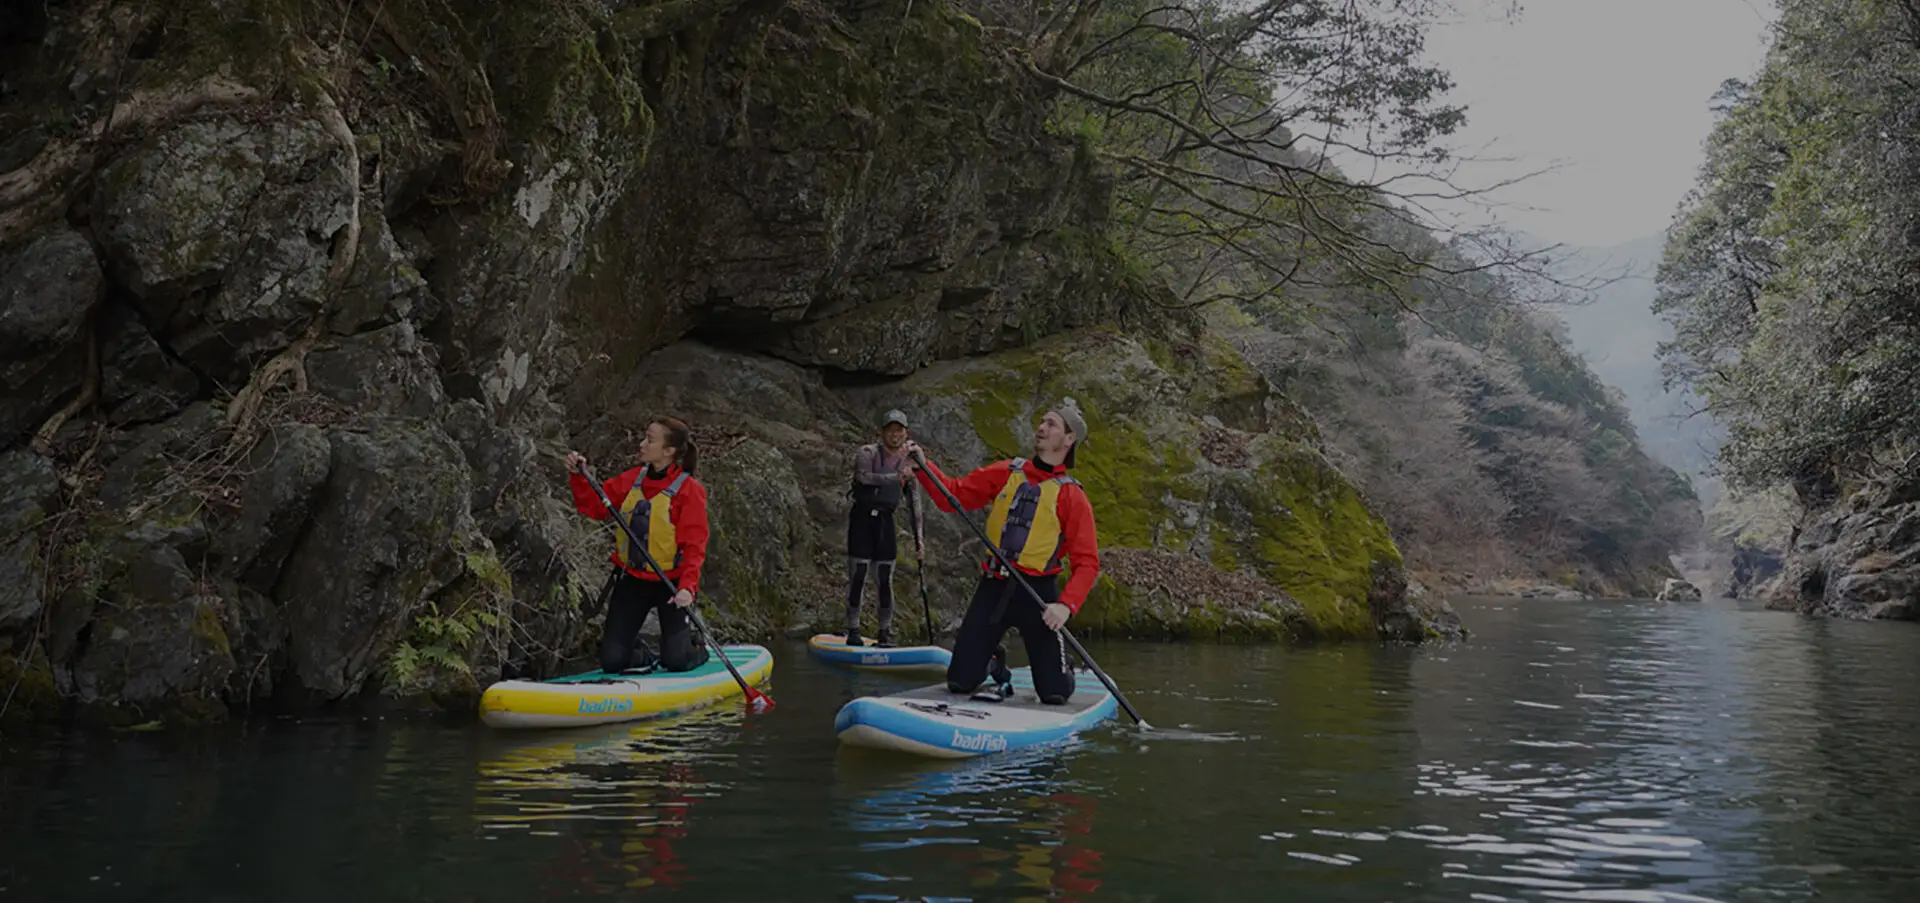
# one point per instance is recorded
(1560, 828)
(638, 853)
(621, 796)
(1631, 752)
(1016, 826)
(1592, 751)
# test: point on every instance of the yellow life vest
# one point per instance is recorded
(655, 525)
(1025, 519)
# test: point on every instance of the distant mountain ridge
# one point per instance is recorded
(1619, 335)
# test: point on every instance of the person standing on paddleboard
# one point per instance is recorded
(1040, 517)
(879, 478)
(667, 508)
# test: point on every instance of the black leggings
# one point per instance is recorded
(882, 586)
(627, 610)
(996, 606)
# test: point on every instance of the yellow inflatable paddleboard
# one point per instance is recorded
(598, 698)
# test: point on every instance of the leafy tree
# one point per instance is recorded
(1463, 415)
(1793, 277)
(1221, 118)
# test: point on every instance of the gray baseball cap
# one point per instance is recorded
(895, 416)
(1069, 411)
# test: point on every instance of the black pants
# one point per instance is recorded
(627, 610)
(996, 606)
(882, 587)
(872, 544)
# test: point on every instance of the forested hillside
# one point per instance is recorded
(1617, 332)
(1492, 450)
(1790, 278)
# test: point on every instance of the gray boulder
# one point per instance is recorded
(156, 643)
(139, 381)
(29, 492)
(285, 473)
(385, 371)
(1678, 591)
(380, 541)
(223, 232)
(47, 286)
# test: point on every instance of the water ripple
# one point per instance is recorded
(1590, 751)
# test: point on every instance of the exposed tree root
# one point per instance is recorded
(89, 390)
(445, 55)
(242, 412)
(348, 245)
(44, 187)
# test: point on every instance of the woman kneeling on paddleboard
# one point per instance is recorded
(675, 531)
(1040, 516)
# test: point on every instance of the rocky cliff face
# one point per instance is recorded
(299, 302)
(1748, 568)
(1858, 559)
(1219, 516)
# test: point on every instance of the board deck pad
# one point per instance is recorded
(934, 721)
(1023, 699)
(736, 654)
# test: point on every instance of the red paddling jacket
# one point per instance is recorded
(1039, 517)
(674, 528)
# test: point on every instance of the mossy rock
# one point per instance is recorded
(1307, 529)
(155, 657)
(29, 686)
(457, 641)
(761, 544)
(1178, 463)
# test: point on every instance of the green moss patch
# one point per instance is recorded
(1311, 533)
(30, 683)
(1267, 541)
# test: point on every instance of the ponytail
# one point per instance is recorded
(680, 436)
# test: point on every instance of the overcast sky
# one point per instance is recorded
(1614, 90)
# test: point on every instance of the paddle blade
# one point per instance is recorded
(758, 701)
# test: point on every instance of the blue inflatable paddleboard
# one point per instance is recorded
(935, 722)
(832, 647)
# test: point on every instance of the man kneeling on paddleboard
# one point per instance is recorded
(667, 508)
(1040, 516)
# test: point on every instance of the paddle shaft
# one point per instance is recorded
(636, 543)
(606, 591)
(920, 558)
(959, 510)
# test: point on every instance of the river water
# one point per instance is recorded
(1616, 751)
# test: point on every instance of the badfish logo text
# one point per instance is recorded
(877, 658)
(979, 742)
(605, 706)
